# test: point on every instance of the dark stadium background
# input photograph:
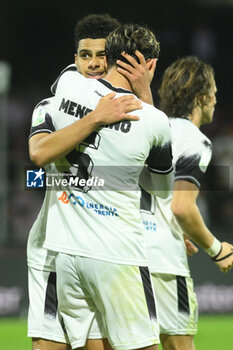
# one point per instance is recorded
(36, 42)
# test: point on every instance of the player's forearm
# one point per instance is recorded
(48, 148)
(192, 223)
(56, 145)
(220, 252)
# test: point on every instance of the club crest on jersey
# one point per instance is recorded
(39, 118)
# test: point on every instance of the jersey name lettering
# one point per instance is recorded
(79, 111)
(73, 108)
(124, 126)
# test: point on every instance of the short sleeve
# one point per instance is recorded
(192, 166)
(42, 119)
(160, 155)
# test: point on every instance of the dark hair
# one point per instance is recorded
(94, 26)
(129, 38)
(183, 82)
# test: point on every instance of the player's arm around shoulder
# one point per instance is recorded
(45, 143)
(46, 147)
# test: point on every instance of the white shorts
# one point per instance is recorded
(119, 297)
(177, 304)
(44, 321)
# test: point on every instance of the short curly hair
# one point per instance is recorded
(129, 38)
(94, 26)
(183, 82)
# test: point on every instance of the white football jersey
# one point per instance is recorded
(192, 152)
(37, 256)
(101, 218)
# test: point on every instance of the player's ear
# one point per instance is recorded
(75, 58)
(201, 100)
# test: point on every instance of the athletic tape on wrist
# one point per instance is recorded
(215, 249)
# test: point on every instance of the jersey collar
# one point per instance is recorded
(116, 89)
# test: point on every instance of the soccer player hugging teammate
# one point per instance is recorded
(49, 143)
(43, 322)
(102, 272)
(187, 95)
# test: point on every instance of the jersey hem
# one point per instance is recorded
(75, 252)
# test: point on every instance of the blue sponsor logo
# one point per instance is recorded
(150, 225)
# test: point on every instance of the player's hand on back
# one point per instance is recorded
(112, 110)
(139, 74)
(225, 259)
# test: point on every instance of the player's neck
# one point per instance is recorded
(195, 117)
(117, 79)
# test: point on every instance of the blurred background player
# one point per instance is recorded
(43, 323)
(187, 95)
